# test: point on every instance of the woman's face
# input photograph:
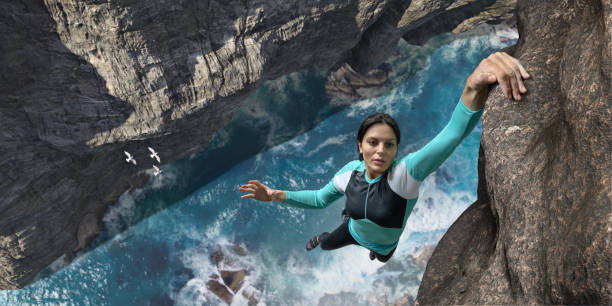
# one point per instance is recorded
(378, 147)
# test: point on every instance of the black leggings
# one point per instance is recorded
(341, 237)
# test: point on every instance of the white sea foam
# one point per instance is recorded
(227, 216)
(167, 178)
(393, 102)
(196, 292)
(330, 162)
(294, 145)
(336, 140)
(122, 212)
(304, 278)
(436, 209)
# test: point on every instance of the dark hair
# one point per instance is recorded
(373, 119)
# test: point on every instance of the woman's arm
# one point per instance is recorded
(498, 67)
(304, 198)
(426, 160)
(313, 198)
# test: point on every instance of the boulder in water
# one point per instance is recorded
(233, 279)
(220, 290)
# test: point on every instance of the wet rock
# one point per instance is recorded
(220, 291)
(346, 83)
(232, 272)
(233, 279)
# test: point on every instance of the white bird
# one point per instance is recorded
(157, 170)
(129, 158)
(154, 154)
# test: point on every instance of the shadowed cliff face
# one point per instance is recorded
(82, 81)
(541, 227)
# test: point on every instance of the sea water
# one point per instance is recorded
(157, 242)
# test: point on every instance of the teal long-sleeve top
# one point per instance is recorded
(378, 208)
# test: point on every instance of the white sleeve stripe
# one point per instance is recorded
(402, 183)
(342, 180)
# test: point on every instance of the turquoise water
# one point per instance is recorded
(157, 244)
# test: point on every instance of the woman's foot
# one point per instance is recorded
(312, 243)
(372, 255)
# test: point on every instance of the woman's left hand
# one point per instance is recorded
(498, 67)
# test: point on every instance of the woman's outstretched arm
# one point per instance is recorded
(498, 67)
(304, 198)
(260, 192)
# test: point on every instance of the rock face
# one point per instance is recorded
(541, 227)
(82, 81)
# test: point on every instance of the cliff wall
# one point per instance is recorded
(541, 227)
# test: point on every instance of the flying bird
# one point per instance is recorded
(154, 154)
(130, 158)
(157, 170)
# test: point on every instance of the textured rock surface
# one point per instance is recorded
(82, 81)
(541, 227)
(348, 84)
(419, 20)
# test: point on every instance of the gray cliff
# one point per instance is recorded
(83, 80)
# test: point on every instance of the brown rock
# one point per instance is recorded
(347, 83)
(540, 229)
(220, 291)
(233, 279)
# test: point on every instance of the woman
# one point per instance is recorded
(382, 191)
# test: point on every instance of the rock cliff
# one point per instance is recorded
(84, 80)
(541, 227)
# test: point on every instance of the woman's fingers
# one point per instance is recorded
(257, 183)
(256, 190)
(518, 73)
(509, 76)
(498, 68)
(509, 73)
(246, 189)
(523, 73)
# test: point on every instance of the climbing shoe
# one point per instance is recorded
(312, 243)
